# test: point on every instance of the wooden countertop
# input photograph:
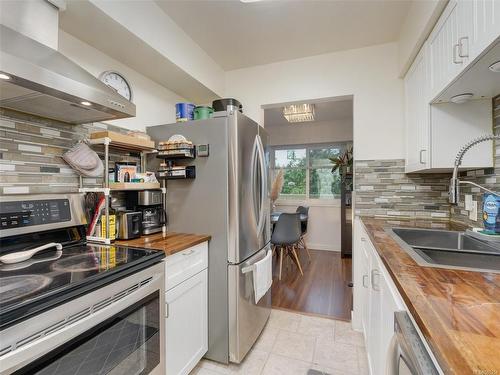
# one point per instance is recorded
(172, 243)
(457, 311)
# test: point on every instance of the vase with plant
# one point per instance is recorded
(343, 163)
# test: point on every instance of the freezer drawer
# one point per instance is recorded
(246, 319)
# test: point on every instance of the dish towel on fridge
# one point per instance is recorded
(262, 276)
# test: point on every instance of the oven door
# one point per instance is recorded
(118, 329)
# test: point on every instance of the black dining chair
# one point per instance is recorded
(303, 226)
(285, 238)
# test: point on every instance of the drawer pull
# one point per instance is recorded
(167, 310)
(188, 252)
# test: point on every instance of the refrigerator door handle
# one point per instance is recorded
(263, 185)
(253, 163)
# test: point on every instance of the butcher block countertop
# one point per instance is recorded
(172, 242)
(457, 311)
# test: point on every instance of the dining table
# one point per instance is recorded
(275, 216)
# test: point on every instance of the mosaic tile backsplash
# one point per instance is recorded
(384, 190)
(31, 150)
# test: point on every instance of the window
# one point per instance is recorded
(307, 171)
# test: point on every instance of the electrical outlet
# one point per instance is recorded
(473, 211)
(468, 202)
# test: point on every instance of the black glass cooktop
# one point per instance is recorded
(52, 277)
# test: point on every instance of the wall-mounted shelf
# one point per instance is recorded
(181, 173)
(177, 154)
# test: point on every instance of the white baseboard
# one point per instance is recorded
(318, 246)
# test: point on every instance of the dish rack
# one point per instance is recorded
(108, 187)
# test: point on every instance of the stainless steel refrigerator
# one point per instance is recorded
(229, 200)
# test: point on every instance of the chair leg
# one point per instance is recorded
(281, 262)
(297, 261)
(305, 247)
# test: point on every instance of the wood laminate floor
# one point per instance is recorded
(323, 290)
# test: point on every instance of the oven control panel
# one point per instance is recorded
(33, 212)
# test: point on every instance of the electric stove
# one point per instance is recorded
(81, 289)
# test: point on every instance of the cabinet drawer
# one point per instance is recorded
(183, 265)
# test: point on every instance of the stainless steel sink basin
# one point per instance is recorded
(448, 249)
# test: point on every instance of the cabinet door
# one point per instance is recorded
(365, 290)
(417, 113)
(485, 16)
(445, 64)
(187, 324)
(374, 349)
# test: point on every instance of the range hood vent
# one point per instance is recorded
(43, 82)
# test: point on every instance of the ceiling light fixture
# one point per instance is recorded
(4, 76)
(495, 67)
(462, 98)
(299, 112)
(85, 103)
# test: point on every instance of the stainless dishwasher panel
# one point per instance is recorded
(246, 319)
(408, 354)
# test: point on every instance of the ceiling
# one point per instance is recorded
(330, 111)
(237, 34)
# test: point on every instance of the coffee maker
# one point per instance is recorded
(149, 202)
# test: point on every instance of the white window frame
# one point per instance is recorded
(335, 202)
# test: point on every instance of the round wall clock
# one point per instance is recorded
(117, 82)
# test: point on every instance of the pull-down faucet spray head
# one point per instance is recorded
(454, 191)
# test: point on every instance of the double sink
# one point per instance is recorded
(448, 249)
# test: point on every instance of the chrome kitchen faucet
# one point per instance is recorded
(454, 192)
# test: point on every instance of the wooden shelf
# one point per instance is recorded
(121, 141)
(134, 185)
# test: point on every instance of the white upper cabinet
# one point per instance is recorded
(485, 16)
(448, 65)
(445, 62)
(417, 112)
(465, 30)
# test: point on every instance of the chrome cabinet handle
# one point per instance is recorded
(375, 286)
(455, 54)
(365, 279)
(167, 310)
(188, 252)
(363, 239)
(420, 157)
(461, 47)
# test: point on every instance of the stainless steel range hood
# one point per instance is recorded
(41, 81)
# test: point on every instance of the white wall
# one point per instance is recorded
(165, 36)
(313, 132)
(369, 74)
(323, 228)
(154, 104)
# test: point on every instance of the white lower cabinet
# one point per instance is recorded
(186, 312)
(375, 301)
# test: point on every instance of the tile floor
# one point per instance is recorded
(294, 344)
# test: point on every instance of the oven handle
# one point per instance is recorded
(51, 339)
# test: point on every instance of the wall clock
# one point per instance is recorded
(117, 82)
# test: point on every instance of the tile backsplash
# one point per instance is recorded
(384, 190)
(31, 150)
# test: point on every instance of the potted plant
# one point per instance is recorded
(343, 163)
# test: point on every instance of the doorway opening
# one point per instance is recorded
(311, 169)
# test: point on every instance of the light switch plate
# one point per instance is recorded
(473, 211)
(468, 202)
